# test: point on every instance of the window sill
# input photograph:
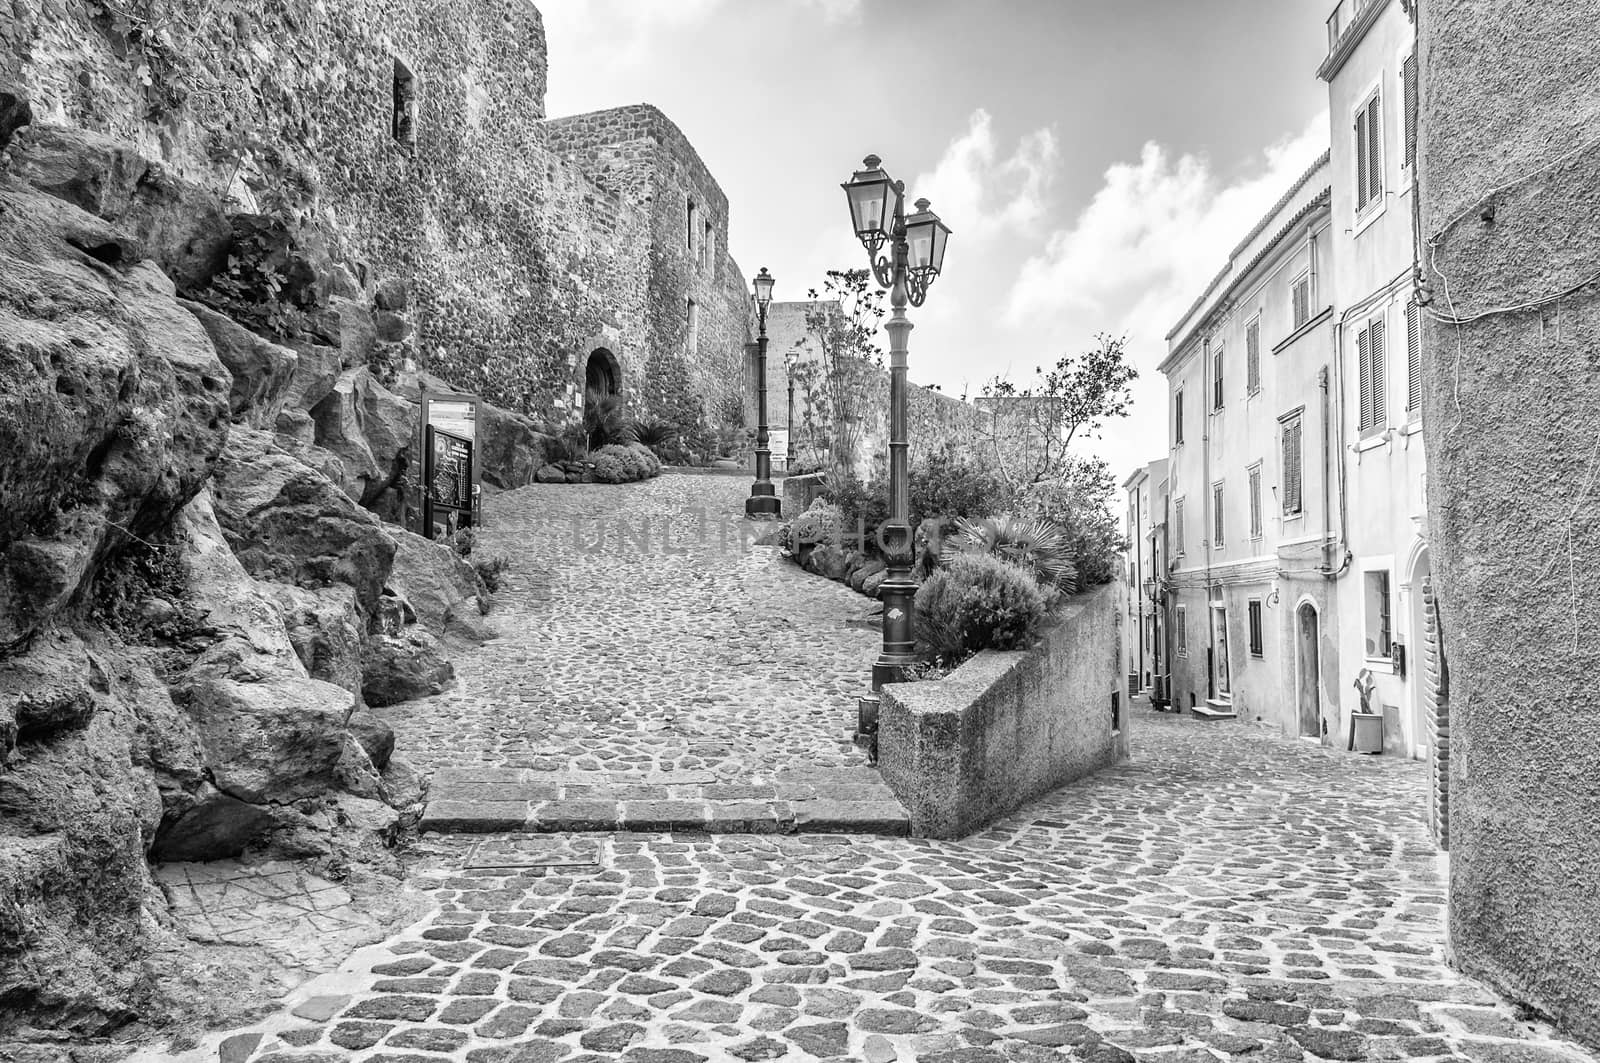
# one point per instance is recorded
(1379, 665)
(1290, 518)
(1371, 440)
(1301, 330)
(1413, 428)
(1371, 213)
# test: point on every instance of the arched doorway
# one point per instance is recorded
(1420, 650)
(602, 378)
(1308, 670)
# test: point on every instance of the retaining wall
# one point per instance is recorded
(1006, 727)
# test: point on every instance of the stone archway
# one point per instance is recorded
(602, 379)
(1308, 670)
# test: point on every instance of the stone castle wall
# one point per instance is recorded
(529, 243)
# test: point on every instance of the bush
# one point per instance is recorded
(629, 464)
(859, 504)
(608, 468)
(651, 463)
(946, 486)
(1035, 545)
(604, 422)
(821, 524)
(1077, 504)
(490, 570)
(977, 602)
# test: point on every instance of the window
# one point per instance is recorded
(1369, 153)
(1302, 300)
(1369, 358)
(1177, 416)
(1377, 613)
(1183, 631)
(691, 319)
(690, 227)
(1291, 473)
(1409, 100)
(1252, 356)
(1216, 378)
(1255, 627)
(707, 238)
(1255, 500)
(1413, 356)
(1216, 514)
(1177, 527)
(404, 119)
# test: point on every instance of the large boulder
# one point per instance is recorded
(261, 369)
(327, 630)
(371, 429)
(212, 826)
(113, 404)
(316, 371)
(511, 450)
(176, 222)
(444, 592)
(403, 667)
(15, 111)
(285, 521)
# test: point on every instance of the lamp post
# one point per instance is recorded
(915, 256)
(788, 459)
(763, 501)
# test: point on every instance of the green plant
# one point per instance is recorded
(977, 602)
(633, 465)
(463, 541)
(864, 507)
(491, 569)
(270, 283)
(651, 463)
(836, 363)
(657, 435)
(605, 421)
(1077, 500)
(945, 486)
(567, 445)
(609, 468)
(821, 524)
(1036, 545)
(142, 594)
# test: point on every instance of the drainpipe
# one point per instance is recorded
(1210, 518)
(1327, 517)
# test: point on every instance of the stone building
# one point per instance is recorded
(546, 257)
(1145, 526)
(1509, 188)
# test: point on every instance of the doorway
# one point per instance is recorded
(1309, 671)
(1419, 650)
(1219, 651)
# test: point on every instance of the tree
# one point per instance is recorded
(834, 363)
(1033, 427)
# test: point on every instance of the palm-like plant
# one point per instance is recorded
(1039, 546)
(605, 422)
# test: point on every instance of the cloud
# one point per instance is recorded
(836, 11)
(606, 36)
(981, 194)
(1152, 237)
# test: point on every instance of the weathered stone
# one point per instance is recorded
(375, 736)
(214, 827)
(822, 1039)
(325, 627)
(371, 430)
(1330, 1044)
(442, 589)
(15, 111)
(392, 293)
(551, 474)
(261, 369)
(396, 668)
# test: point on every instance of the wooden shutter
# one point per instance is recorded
(1177, 416)
(1408, 78)
(1252, 355)
(1361, 159)
(1177, 524)
(1364, 367)
(1380, 409)
(1413, 356)
(1216, 514)
(1255, 628)
(1291, 467)
(1375, 148)
(1216, 379)
(1302, 303)
(1255, 502)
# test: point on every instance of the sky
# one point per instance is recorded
(1096, 160)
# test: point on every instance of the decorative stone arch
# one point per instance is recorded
(1307, 627)
(602, 372)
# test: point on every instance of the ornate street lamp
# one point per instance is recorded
(763, 501)
(915, 255)
(788, 459)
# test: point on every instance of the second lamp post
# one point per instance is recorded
(763, 500)
(915, 256)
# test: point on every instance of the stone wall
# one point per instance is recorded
(1510, 209)
(522, 261)
(1007, 727)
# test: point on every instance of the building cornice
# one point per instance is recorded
(1351, 39)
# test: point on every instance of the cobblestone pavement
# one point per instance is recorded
(1227, 894)
(643, 632)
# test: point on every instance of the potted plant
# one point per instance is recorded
(1366, 726)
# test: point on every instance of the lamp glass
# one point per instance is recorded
(926, 237)
(764, 281)
(870, 193)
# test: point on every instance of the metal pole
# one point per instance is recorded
(789, 457)
(897, 590)
(763, 502)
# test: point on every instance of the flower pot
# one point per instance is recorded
(1366, 732)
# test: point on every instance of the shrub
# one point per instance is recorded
(945, 486)
(860, 505)
(491, 569)
(651, 463)
(633, 466)
(1035, 545)
(977, 602)
(608, 468)
(821, 524)
(604, 421)
(1077, 504)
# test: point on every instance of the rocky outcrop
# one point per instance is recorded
(261, 369)
(15, 111)
(403, 667)
(442, 591)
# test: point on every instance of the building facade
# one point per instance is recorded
(1299, 573)
(1145, 525)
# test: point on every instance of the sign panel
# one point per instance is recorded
(447, 483)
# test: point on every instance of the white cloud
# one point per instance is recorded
(1152, 237)
(980, 194)
(605, 36)
(836, 11)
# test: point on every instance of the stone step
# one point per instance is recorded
(1214, 709)
(809, 801)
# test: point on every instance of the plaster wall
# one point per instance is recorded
(1510, 89)
(1008, 726)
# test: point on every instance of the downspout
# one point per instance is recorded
(1207, 384)
(1327, 517)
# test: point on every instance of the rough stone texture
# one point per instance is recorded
(442, 590)
(396, 668)
(261, 369)
(1125, 917)
(583, 218)
(1007, 726)
(15, 110)
(1512, 568)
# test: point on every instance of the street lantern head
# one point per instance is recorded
(871, 194)
(763, 288)
(926, 236)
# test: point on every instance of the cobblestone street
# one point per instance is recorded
(642, 632)
(1226, 894)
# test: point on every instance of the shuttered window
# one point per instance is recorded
(1302, 301)
(1177, 416)
(1183, 631)
(1413, 356)
(1252, 355)
(1216, 379)
(1177, 527)
(1292, 490)
(1408, 81)
(1216, 515)
(1369, 153)
(1370, 360)
(1255, 501)
(1256, 640)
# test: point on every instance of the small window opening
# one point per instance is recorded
(405, 105)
